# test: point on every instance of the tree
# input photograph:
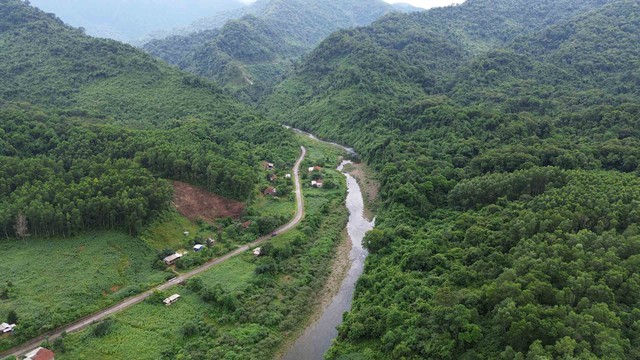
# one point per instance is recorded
(12, 317)
(22, 226)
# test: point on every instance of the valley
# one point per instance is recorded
(170, 202)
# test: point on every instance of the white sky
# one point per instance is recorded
(426, 4)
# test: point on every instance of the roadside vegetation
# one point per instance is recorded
(50, 282)
(242, 309)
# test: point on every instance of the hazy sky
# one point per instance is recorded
(426, 3)
(419, 3)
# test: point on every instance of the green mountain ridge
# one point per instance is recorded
(505, 135)
(76, 108)
(250, 54)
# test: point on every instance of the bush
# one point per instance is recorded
(12, 317)
(103, 328)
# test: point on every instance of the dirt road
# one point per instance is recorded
(88, 320)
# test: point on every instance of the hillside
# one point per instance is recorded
(505, 135)
(76, 109)
(248, 55)
(132, 21)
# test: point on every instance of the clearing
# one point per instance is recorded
(195, 203)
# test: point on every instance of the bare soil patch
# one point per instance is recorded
(196, 203)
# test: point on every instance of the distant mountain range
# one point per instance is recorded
(130, 21)
(249, 54)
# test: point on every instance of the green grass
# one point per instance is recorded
(320, 152)
(168, 232)
(233, 275)
(278, 207)
(270, 307)
(145, 330)
(142, 332)
(55, 281)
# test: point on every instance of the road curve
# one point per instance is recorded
(102, 314)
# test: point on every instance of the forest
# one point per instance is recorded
(91, 129)
(505, 135)
(250, 54)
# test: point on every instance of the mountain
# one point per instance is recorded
(250, 54)
(131, 21)
(505, 134)
(405, 57)
(92, 127)
(407, 8)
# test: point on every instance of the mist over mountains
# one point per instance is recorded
(131, 20)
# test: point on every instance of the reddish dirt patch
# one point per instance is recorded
(115, 288)
(196, 203)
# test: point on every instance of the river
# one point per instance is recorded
(317, 338)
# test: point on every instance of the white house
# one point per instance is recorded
(171, 299)
(198, 247)
(317, 183)
(257, 251)
(288, 176)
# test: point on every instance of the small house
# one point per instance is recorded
(198, 247)
(311, 169)
(171, 259)
(272, 177)
(315, 168)
(171, 299)
(246, 224)
(6, 328)
(257, 251)
(270, 191)
(40, 354)
(317, 183)
(288, 176)
(186, 233)
(267, 165)
(210, 242)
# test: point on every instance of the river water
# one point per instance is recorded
(317, 338)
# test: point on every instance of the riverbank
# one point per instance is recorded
(339, 269)
(369, 185)
(319, 335)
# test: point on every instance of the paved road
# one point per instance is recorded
(86, 321)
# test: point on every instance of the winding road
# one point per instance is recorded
(88, 320)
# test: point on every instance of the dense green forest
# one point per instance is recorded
(249, 55)
(506, 138)
(91, 127)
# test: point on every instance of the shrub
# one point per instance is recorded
(103, 328)
(12, 317)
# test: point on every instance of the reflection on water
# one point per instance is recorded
(317, 338)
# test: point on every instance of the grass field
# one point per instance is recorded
(142, 332)
(270, 295)
(51, 282)
(282, 207)
(148, 330)
(55, 281)
(168, 232)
